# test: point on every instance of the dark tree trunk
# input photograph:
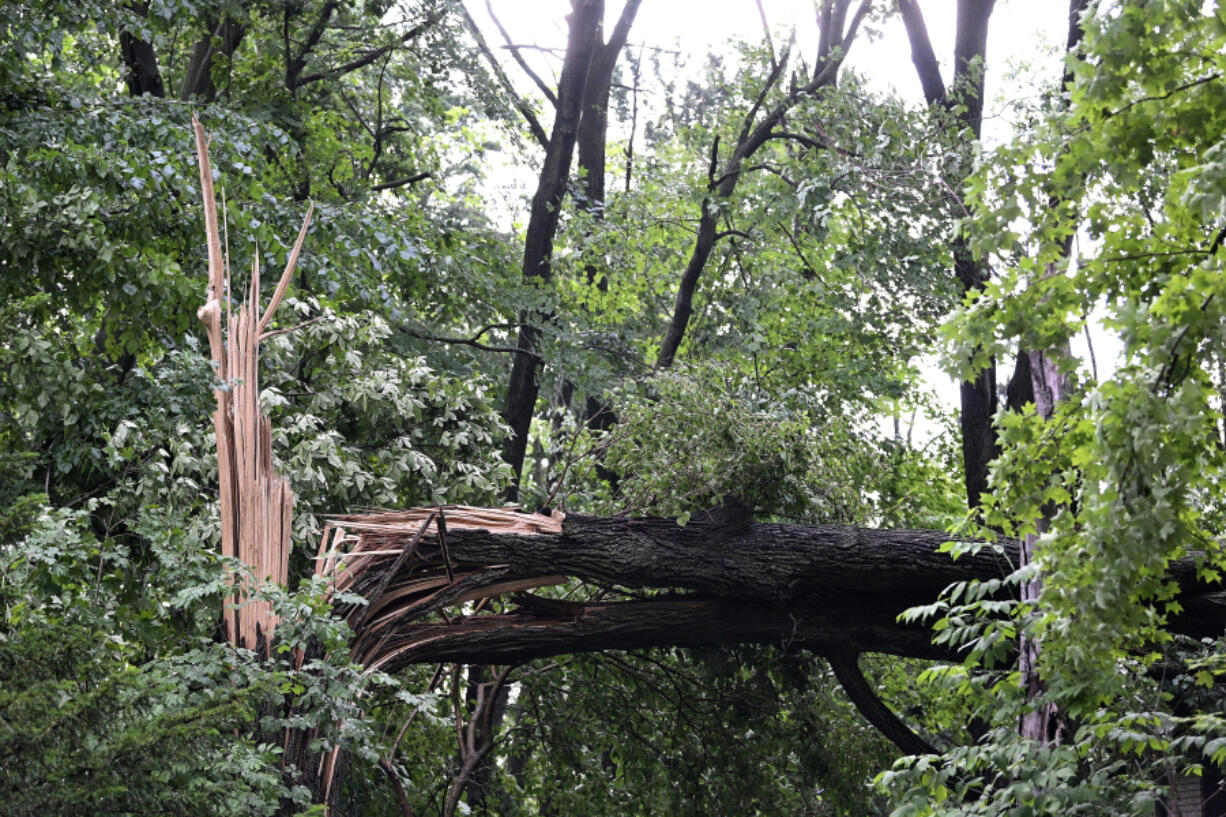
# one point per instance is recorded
(546, 209)
(198, 80)
(825, 588)
(140, 60)
(965, 95)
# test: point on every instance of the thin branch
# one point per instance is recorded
(766, 32)
(771, 80)
(1217, 242)
(519, 58)
(1159, 97)
(474, 343)
(807, 141)
(521, 105)
(416, 177)
(401, 798)
(727, 233)
(293, 328)
(371, 56)
(809, 272)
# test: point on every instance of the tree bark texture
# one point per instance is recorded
(830, 589)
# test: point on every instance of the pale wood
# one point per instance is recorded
(257, 503)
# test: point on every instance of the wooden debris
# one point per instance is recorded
(257, 503)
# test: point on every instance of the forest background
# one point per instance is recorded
(716, 308)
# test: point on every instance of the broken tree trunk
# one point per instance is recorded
(256, 502)
(826, 588)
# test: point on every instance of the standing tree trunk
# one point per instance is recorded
(1041, 722)
(965, 96)
(198, 80)
(522, 391)
(140, 60)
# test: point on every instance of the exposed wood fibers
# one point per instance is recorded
(257, 504)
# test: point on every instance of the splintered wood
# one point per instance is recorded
(386, 558)
(257, 504)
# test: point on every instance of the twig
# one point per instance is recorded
(540, 83)
(416, 177)
(474, 343)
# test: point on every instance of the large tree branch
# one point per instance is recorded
(922, 55)
(826, 588)
(293, 68)
(846, 666)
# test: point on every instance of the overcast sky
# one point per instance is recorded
(1022, 32)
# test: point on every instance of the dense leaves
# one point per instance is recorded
(813, 319)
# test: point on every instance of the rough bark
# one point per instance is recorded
(546, 209)
(824, 588)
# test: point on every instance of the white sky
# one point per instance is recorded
(1022, 31)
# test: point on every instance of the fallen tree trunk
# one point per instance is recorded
(825, 588)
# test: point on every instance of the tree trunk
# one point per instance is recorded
(140, 60)
(965, 94)
(198, 80)
(825, 588)
(546, 209)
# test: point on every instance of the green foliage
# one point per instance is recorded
(693, 440)
(1110, 206)
(670, 732)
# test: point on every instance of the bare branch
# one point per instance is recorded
(727, 233)
(473, 342)
(521, 105)
(374, 54)
(416, 177)
(766, 32)
(519, 58)
(809, 272)
(771, 81)
(621, 29)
